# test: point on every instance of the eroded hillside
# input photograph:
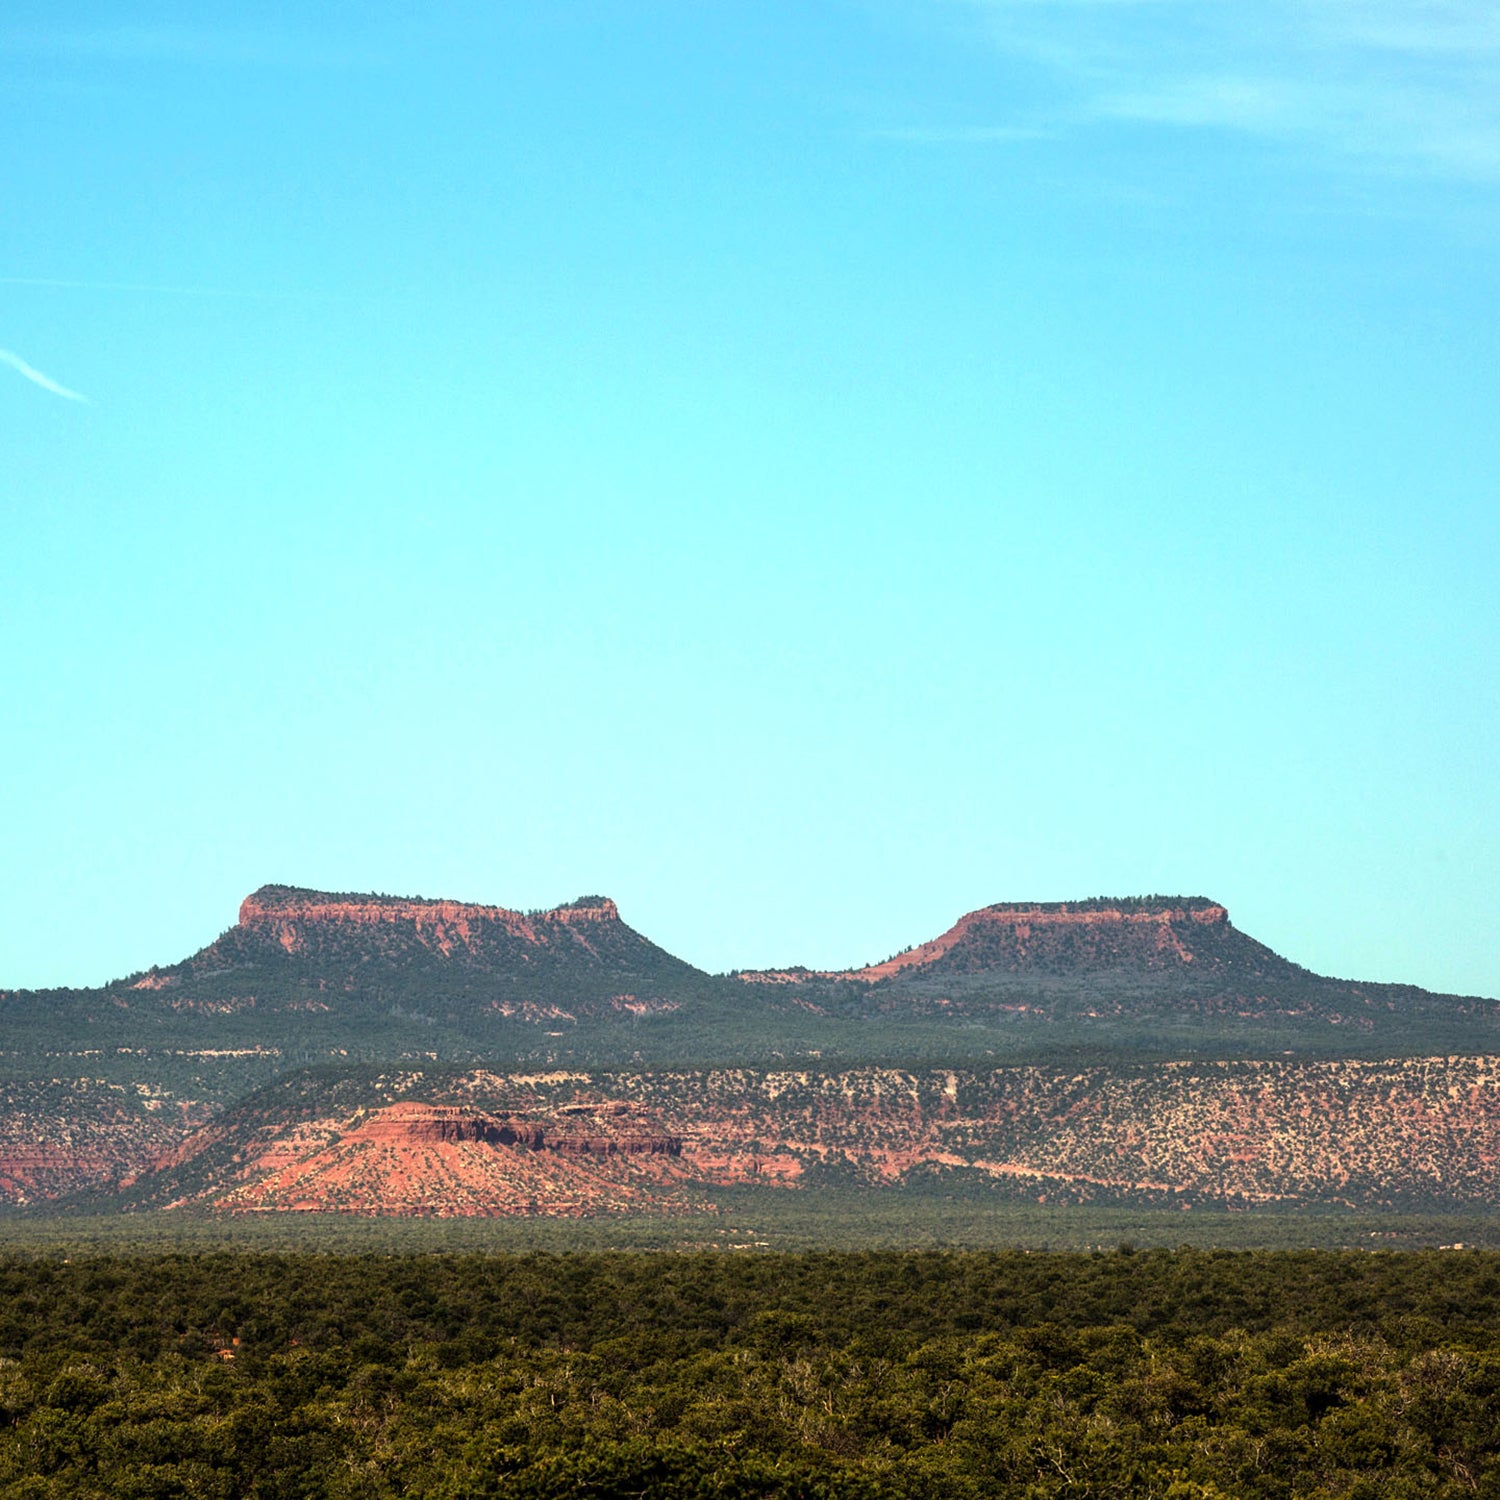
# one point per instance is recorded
(1406, 1132)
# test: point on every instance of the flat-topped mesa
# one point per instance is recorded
(602, 1132)
(284, 903)
(434, 1124)
(1151, 932)
(294, 919)
(586, 909)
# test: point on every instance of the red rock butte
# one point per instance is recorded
(423, 1158)
(592, 1129)
(286, 914)
(1087, 934)
(436, 1124)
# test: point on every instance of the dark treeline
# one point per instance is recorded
(1173, 1374)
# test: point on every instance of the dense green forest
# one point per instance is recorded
(1175, 1374)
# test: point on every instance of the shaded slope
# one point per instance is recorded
(321, 931)
(1157, 973)
(582, 953)
(307, 974)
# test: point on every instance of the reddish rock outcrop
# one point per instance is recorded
(1066, 937)
(1079, 934)
(286, 915)
(1419, 1131)
(458, 1161)
(624, 1145)
(429, 1124)
(28, 1176)
(579, 1130)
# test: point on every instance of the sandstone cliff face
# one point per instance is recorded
(601, 1130)
(1078, 937)
(431, 1124)
(1007, 937)
(295, 920)
(419, 957)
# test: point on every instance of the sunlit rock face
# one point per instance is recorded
(1076, 937)
(454, 959)
(1068, 938)
(452, 1161)
(300, 921)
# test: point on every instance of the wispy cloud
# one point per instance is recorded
(36, 377)
(1409, 86)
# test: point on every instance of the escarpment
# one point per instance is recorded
(421, 957)
(453, 1160)
(425, 1125)
(1072, 937)
(298, 921)
(591, 1130)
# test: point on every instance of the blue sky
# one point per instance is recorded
(805, 470)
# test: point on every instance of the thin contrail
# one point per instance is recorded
(36, 377)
